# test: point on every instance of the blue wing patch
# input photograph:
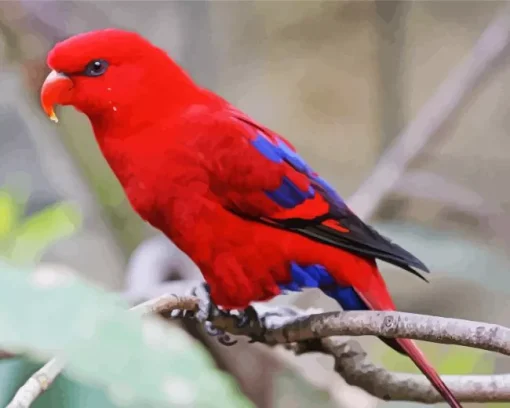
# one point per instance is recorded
(269, 150)
(300, 165)
(346, 297)
(289, 195)
(316, 276)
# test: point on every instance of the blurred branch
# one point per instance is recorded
(36, 384)
(434, 114)
(434, 187)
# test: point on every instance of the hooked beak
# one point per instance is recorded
(54, 91)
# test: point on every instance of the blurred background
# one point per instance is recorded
(343, 81)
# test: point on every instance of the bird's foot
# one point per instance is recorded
(253, 322)
(250, 320)
(206, 312)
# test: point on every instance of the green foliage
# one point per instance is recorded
(139, 362)
(24, 240)
(446, 359)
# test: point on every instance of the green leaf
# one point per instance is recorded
(41, 230)
(9, 214)
(139, 362)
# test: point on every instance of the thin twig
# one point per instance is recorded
(166, 303)
(37, 384)
(430, 186)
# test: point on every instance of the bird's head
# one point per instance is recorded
(111, 73)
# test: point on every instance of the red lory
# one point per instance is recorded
(235, 196)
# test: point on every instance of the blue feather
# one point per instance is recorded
(269, 150)
(304, 277)
(288, 195)
(292, 286)
(300, 165)
(316, 276)
(346, 297)
(293, 158)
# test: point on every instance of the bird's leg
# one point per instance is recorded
(252, 322)
(207, 311)
(250, 319)
(257, 319)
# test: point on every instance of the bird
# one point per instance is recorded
(232, 194)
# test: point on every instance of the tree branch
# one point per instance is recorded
(287, 329)
(303, 332)
(37, 384)
(352, 364)
(311, 331)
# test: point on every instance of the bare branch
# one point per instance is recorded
(280, 325)
(37, 384)
(486, 336)
(288, 325)
(166, 303)
(352, 364)
(430, 186)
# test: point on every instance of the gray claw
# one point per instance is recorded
(207, 310)
(211, 330)
(204, 302)
(247, 317)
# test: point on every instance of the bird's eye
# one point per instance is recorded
(96, 68)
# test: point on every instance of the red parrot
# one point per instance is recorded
(235, 196)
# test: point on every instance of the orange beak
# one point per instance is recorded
(54, 91)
